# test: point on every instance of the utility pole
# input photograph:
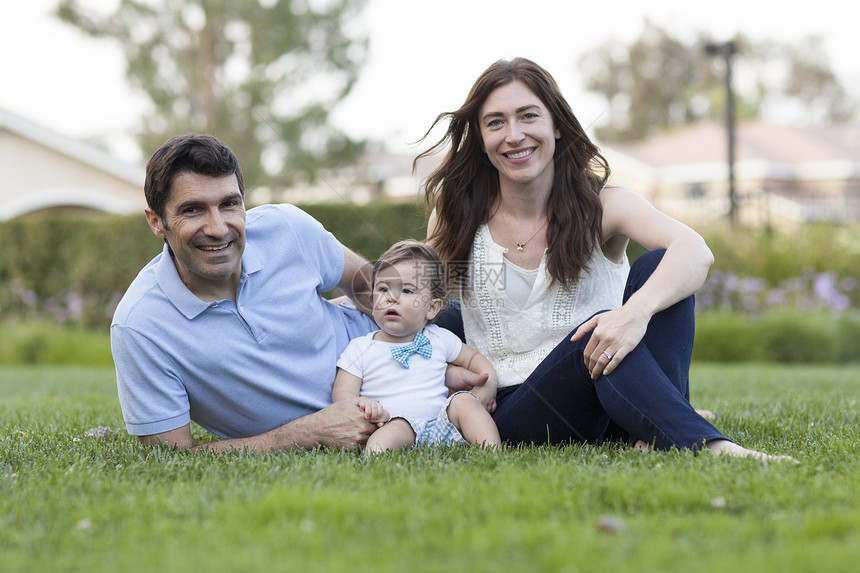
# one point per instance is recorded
(727, 50)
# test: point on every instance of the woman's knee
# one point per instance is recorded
(641, 270)
(647, 262)
(584, 340)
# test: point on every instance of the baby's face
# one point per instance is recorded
(402, 301)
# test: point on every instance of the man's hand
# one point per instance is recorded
(373, 410)
(340, 425)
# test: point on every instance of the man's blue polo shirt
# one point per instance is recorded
(236, 368)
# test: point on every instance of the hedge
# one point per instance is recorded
(780, 337)
(42, 343)
(73, 269)
(775, 256)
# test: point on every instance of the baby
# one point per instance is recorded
(396, 375)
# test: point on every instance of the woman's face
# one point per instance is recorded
(518, 135)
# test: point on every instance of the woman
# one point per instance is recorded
(521, 195)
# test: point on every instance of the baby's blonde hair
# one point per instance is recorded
(432, 267)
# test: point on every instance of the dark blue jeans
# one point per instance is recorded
(646, 397)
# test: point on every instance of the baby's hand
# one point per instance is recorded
(373, 410)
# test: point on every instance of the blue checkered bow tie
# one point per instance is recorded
(420, 345)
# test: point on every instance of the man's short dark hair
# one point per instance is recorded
(195, 153)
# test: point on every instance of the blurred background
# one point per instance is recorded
(739, 118)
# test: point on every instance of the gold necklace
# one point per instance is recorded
(521, 246)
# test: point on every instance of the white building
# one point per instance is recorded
(40, 169)
(783, 175)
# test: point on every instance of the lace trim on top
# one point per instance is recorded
(514, 339)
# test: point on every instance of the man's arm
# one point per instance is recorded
(340, 425)
(180, 438)
(355, 282)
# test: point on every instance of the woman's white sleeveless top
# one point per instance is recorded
(516, 340)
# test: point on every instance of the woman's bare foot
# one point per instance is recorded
(642, 447)
(727, 448)
(707, 414)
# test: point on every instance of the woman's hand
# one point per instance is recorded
(487, 395)
(460, 378)
(614, 334)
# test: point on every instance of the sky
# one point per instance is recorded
(424, 57)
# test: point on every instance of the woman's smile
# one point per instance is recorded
(519, 136)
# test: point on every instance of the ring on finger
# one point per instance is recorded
(607, 355)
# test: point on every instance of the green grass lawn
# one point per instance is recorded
(69, 502)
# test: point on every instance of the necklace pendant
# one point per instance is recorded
(520, 246)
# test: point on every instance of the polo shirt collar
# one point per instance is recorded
(178, 294)
(252, 259)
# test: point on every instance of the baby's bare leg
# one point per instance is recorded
(470, 417)
(394, 435)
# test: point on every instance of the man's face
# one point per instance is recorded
(204, 224)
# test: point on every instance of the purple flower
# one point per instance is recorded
(776, 297)
(29, 298)
(74, 305)
(114, 302)
(752, 285)
(848, 284)
(826, 290)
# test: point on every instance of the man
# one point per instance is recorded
(226, 326)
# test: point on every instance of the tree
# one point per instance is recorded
(659, 81)
(260, 74)
(648, 84)
(814, 85)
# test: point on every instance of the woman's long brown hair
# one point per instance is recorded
(465, 187)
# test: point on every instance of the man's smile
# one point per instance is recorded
(215, 248)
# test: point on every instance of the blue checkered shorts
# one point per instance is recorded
(440, 430)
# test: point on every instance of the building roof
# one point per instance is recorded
(761, 150)
(755, 140)
(92, 156)
(40, 168)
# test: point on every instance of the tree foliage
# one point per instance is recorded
(260, 74)
(815, 85)
(658, 81)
